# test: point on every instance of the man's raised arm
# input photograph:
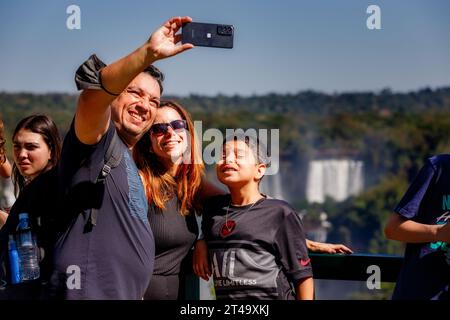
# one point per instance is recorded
(93, 112)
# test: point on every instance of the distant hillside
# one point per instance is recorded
(15, 106)
(311, 102)
(392, 133)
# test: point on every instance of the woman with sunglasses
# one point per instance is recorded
(171, 168)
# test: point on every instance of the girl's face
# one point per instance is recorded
(168, 135)
(238, 165)
(31, 153)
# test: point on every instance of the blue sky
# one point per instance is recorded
(281, 46)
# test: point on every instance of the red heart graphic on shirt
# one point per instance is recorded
(227, 228)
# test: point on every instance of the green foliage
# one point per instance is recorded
(392, 133)
(362, 218)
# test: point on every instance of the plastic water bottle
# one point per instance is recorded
(14, 261)
(28, 249)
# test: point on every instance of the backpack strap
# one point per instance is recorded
(112, 159)
(113, 156)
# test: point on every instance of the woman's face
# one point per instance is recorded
(169, 145)
(31, 153)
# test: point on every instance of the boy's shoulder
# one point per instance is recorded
(277, 202)
(280, 206)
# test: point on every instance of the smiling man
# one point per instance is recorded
(107, 250)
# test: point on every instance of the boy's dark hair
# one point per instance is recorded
(255, 145)
(258, 148)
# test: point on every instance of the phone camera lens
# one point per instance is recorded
(224, 30)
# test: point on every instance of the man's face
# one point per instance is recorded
(134, 109)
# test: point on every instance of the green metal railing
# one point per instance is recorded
(355, 266)
(333, 267)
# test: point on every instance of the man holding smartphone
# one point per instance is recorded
(110, 255)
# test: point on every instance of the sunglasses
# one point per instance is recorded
(162, 128)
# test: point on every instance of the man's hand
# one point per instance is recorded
(163, 42)
(200, 261)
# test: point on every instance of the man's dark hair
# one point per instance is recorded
(156, 74)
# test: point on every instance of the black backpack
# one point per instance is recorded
(112, 159)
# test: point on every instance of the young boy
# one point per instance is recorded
(256, 245)
(421, 221)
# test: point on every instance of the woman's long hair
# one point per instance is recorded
(43, 125)
(160, 186)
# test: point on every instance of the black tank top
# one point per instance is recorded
(174, 237)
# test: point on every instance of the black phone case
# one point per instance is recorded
(208, 35)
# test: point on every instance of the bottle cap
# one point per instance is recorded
(23, 216)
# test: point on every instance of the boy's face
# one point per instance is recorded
(238, 165)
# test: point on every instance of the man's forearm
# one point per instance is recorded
(117, 75)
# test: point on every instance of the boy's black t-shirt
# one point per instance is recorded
(257, 251)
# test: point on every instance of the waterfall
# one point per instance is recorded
(335, 178)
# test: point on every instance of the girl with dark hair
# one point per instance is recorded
(37, 148)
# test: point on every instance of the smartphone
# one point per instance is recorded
(208, 34)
